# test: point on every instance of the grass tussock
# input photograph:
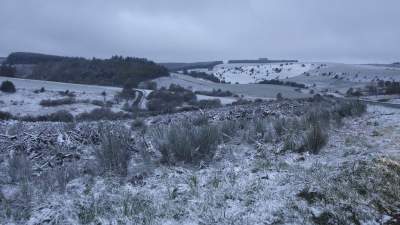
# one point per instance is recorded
(185, 143)
(113, 154)
(315, 139)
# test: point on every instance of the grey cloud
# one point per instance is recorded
(187, 30)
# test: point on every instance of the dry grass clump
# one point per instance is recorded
(186, 143)
(113, 153)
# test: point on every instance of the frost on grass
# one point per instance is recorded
(233, 168)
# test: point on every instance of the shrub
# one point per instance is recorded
(315, 139)
(59, 116)
(8, 87)
(242, 101)
(285, 83)
(279, 97)
(57, 102)
(164, 100)
(113, 153)
(259, 130)
(216, 93)
(208, 103)
(351, 108)
(5, 115)
(185, 143)
(102, 114)
(317, 116)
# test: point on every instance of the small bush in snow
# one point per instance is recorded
(8, 87)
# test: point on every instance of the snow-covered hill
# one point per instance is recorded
(253, 73)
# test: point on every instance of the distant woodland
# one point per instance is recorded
(116, 71)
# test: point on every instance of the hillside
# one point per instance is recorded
(245, 73)
(251, 164)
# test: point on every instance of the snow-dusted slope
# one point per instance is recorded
(27, 102)
(253, 73)
(357, 73)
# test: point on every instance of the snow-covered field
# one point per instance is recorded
(357, 73)
(253, 73)
(263, 91)
(352, 180)
(318, 76)
(26, 102)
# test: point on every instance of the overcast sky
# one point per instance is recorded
(194, 30)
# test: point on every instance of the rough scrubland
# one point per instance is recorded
(313, 161)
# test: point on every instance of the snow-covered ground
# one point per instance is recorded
(349, 182)
(26, 102)
(263, 91)
(319, 76)
(253, 73)
(357, 73)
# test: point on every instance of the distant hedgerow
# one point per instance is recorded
(59, 116)
(57, 102)
(102, 114)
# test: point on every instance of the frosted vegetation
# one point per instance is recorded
(316, 161)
